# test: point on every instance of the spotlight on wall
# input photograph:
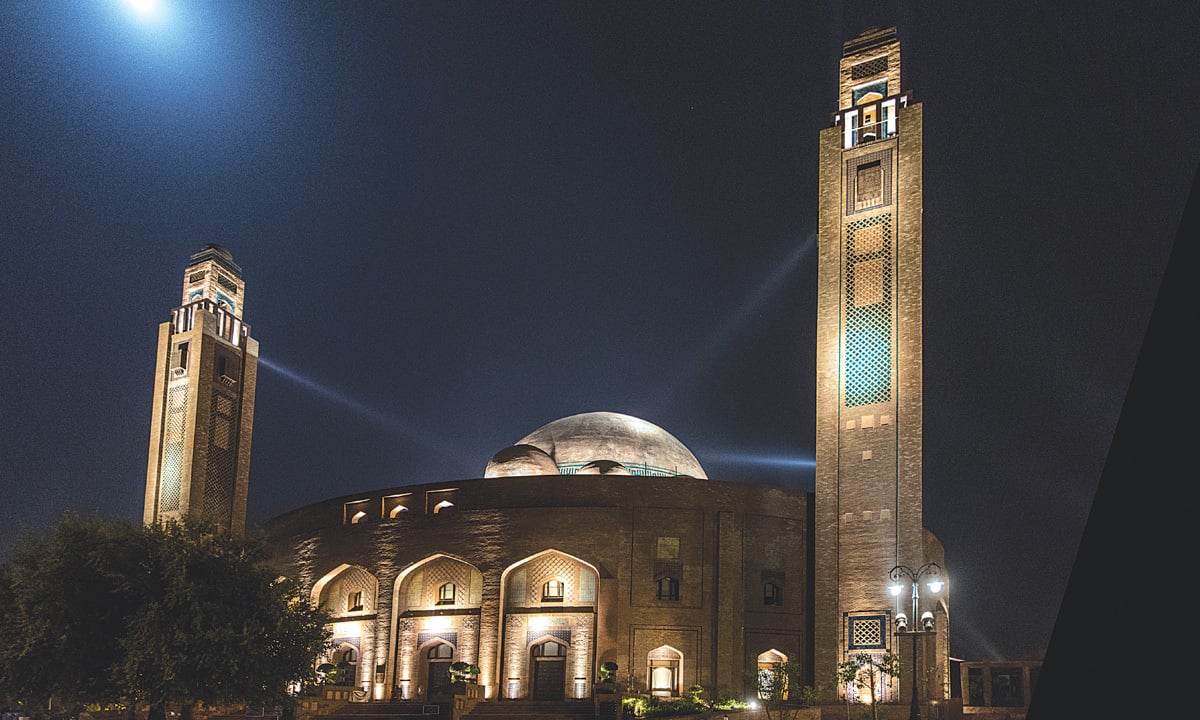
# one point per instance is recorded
(901, 622)
(927, 620)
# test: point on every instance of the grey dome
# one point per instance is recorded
(520, 460)
(604, 443)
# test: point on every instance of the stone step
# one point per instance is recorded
(526, 709)
(387, 710)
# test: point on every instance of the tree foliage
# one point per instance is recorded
(168, 615)
(780, 691)
(461, 671)
(67, 598)
(867, 671)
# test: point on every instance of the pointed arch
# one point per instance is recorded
(769, 664)
(664, 671)
(346, 590)
(578, 582)
(421, 597)
(548, 596)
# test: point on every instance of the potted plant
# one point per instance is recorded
(463, 672)
(607, 677)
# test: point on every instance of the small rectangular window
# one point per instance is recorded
(668, 588)
(553, 591)
(868, 185)
(355, 512)
(867, 632)
(183, 356)
(226, 368)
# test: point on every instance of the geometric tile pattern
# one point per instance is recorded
(170, 484)
(866, 632)
(446, 570)
(564, 635)
(873, 169)
(221, 469)
(351, 581)
(874, 66)
(553, 566)
(868, 311)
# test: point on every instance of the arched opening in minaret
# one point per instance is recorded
(872, 121)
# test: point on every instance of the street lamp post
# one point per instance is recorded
(898, 574)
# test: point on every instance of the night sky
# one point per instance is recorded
(459, 221)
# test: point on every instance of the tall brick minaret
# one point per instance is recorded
(203, 410)
(869, 406)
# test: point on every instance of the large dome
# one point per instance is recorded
(597, 443)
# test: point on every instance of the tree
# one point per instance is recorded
(215, 624)
(779, 690)
(867, 671)
(66, 598)
(169, 615)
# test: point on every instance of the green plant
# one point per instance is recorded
(866, 671)
(463, 671)
(692, 703)
(635, 705)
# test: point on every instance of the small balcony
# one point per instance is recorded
(229, 327)
(870, 121)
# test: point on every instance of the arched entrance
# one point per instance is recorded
(771, 675)
(549, 662)
(345, 658)
(548, 597)
(435, 601)
(437, 670)
(663, 667)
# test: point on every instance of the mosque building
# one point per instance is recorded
(599, 537)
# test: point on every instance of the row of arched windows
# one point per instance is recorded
(554, 591)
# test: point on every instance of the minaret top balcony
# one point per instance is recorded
(228, 326)
(869, 87)
(874, 117)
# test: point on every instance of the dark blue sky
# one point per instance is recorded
(459, 221)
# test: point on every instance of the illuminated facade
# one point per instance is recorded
(599, 537)
(579, 545)
(203, 409)
(869, 371)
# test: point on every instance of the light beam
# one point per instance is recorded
(721, 339)
(409, 430)
(778, 461)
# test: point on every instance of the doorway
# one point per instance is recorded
(549, 670)
(437, 670)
